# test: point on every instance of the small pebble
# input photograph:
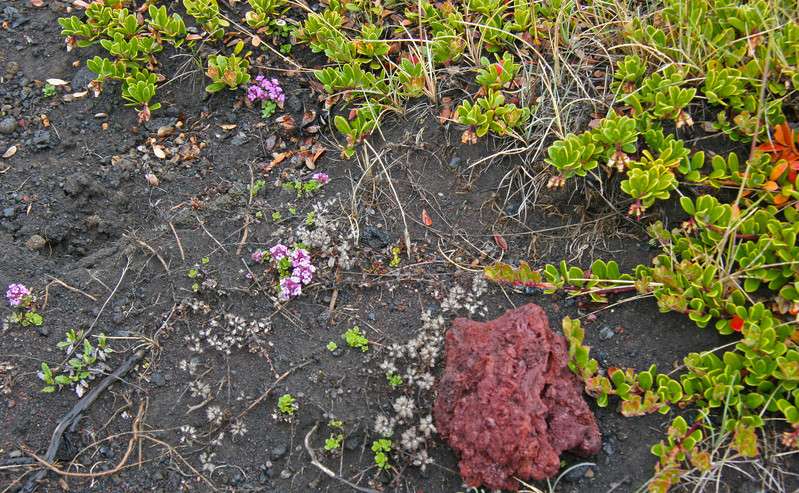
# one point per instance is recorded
(606, 333)
(35, 242)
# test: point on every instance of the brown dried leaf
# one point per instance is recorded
(10, 152)
(255, 41)
(501, 241)
(446, 114)
(280, 156)
(426, 218)
(228, 126)
(55, 82)
(166, 129)
(159, 152)
(152, 180)
(308, 118)
(595, 123)
(309, 163)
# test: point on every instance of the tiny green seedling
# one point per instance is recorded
(395, 258)
(354, 338)
(394, 380)
(256, 186)
(333, 442)
(48, 90)
(276, 216)
(332, 346)
(380, 447)
(287, 404)
(27, 318)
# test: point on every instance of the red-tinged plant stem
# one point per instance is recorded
(736, 235)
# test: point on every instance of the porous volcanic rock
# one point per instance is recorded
(508, 404)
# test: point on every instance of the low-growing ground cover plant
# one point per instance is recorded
(293, 266)
(81, 369)
(24, 303)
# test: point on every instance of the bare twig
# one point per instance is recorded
(62, 283)
(180, 246)
(152, 250)
(202, 225)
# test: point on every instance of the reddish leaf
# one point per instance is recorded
(426, 218)
(308, 118)
(501, 241)
(778, 170)
(737, 323)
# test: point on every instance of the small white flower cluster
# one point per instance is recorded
(327, 235)
(6, 377)
(418, 356)
(231, 332)
(238, 429)
(421, 353)
(189, 366)
(457, 298)
(217, 441)
(404, 407)
(207, 461)
(421, 459)
(214, 415)
(384, 426)
(198, 388)
(189, 435)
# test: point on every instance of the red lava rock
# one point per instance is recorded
(508, 404)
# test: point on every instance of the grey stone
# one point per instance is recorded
(12, 68)
(374, 238)
(240, 139)
(455, 162)
(351, 443)
(8, 125)
(293, 104)
(158, 380)
(82, 78)
(606, 333)
(576, 474)
(44, 139)
(279, 451)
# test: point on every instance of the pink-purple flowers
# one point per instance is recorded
(266, 90)
(294, 266)
(321, 178)
(17, 294)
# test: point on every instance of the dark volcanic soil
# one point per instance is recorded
(167, 268)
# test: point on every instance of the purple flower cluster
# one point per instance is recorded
(301, 269)
(16, 294)
(266, 90)
(258, 256)
(321, 178)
